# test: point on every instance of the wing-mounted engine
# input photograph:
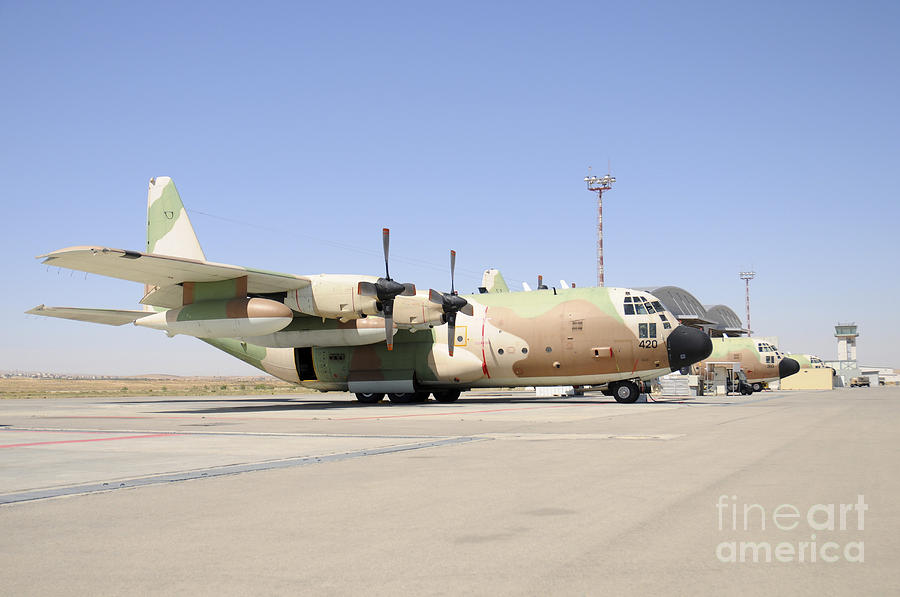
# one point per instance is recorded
(417, 312)
(334, 296)
(347, 298)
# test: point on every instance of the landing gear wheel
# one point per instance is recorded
(446, 395)
(421, 396)
(402, 397)
(756, 387)
(369, 397)
(625, 392)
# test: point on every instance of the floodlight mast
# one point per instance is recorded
(746, 277)
(598, 184)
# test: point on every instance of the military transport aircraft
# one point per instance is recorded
(760, 361)
(371, 335)
(809, 361)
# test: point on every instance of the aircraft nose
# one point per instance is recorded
(687, 346)
(787, 367)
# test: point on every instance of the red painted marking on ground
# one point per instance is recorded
(93, 439)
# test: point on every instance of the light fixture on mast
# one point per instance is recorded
(599, 184)
(746, 277)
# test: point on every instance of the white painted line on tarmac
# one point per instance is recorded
(219, 471)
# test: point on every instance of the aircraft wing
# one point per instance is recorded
(107, 316)
(165, 271)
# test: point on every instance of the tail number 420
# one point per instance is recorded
(648, 344)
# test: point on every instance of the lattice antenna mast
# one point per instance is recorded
(599, 184)
(746, 277)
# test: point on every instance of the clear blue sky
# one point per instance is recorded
(757, 135)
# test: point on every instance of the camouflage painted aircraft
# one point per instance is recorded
(809, 361)
(371, 335)
(760, 361)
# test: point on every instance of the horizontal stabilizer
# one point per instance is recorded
(106, 316)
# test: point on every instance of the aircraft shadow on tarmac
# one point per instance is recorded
(238, 405)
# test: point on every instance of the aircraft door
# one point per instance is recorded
(303, 360)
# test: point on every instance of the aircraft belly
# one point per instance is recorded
(400, 386)
(569, 380)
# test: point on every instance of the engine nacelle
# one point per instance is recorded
(337, 297)
(417, 312)
(230, 318)
(333, 296)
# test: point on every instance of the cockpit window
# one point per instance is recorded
(639, 305)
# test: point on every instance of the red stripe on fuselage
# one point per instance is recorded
(483, 355)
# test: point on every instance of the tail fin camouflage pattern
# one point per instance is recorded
(493, 281)
(169, 230)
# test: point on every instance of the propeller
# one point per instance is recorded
(385, 290)
(452, 304)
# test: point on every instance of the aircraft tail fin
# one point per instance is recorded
(169, 229)
(493, 281)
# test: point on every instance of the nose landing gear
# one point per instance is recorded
(625, 392)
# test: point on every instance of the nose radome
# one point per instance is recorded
(687, 346)
(787, 367)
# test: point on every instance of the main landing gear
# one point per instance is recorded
(408, 397)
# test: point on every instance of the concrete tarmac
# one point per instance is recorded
(499, 493)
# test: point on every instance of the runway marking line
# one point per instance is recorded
(92, 439)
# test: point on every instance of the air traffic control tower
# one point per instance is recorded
(846, 334)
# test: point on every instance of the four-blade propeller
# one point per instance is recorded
(385, 290)
(452, 304)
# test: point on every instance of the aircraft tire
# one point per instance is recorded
(369, 397)
(446, 396)
(421, 396)
(756, 387)
(625, 392)
(402, 397)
